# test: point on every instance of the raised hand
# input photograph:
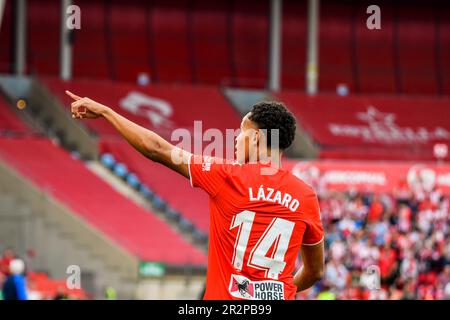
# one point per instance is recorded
(85, 108)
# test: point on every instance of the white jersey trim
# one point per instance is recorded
(313, 244)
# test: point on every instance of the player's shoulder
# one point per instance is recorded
(301, 184)
(305, 192)
(226, 167)
(287, 178)
(214, 161)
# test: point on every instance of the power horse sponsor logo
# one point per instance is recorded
(244, 288)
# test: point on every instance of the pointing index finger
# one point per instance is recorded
(73, 96)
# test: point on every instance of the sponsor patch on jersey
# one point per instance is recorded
(244, 288)
(206, 166)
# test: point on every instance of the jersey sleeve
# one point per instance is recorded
(207, 173)
(314, 233)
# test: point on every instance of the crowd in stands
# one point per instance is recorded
(385, 246)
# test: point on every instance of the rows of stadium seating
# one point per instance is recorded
(96, 202)
(129, 225)
(407, 55)
(173, 41)
(169, 186)
(294, 37)
(226, 42)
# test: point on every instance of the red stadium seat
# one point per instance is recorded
(250, 27)
(293, 45)
(129, 39)
(170, 41)
(211, 42)
(417, 50)
(6, 39)
(49, 288)
(444, 50)
(124, 222)
(43, 24)
(375, 53)
(90, 49)
(335, 54)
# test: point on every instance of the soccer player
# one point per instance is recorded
(258, 221)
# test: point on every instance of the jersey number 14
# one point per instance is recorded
(278, 232)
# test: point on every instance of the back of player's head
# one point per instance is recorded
(269, 115)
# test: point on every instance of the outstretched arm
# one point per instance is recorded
(313, 265)
(147, 142)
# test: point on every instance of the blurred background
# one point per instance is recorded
(83, 216)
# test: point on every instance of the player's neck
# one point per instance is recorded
(273, 160)
(270, 156)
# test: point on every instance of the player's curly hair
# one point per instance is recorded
(270, 115)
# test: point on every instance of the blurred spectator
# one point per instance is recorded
(336, 274)
(5, 260)
(14, 287)
(388, 265)
(375, 210)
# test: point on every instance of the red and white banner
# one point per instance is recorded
(373, 176)
(378, 127)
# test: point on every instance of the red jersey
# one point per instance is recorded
(257, 224)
